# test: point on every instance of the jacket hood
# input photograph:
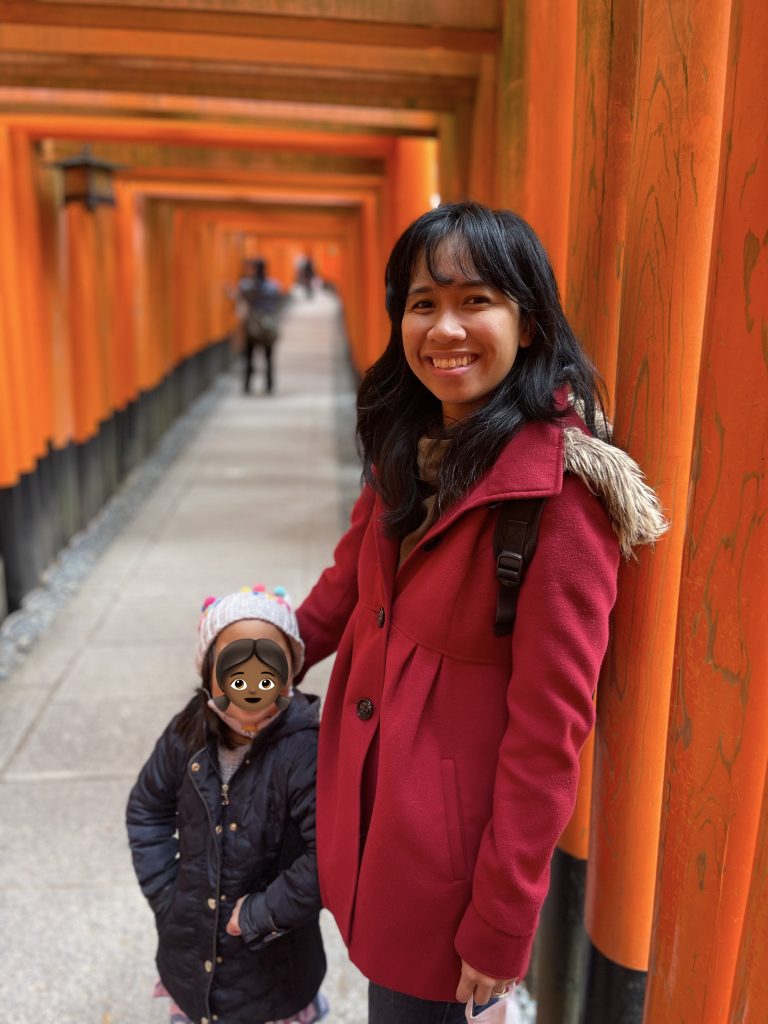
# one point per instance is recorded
(615, 477)
(532, 466)
(303, 712)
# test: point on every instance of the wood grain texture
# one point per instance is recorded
(749, 1000)
(604, 111)
(671, 201)
(718, 738)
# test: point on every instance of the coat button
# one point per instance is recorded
(208, 966)
(381, 618)
(211, 904)
(195, 766)
(203, 1020)
(219, 959)
(233, 827)
(219, 829)
(364, 709)
(223, 898)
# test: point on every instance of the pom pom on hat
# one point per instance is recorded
(255, 603)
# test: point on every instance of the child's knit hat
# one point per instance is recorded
(258, 603)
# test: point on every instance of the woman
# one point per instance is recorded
(448, 759)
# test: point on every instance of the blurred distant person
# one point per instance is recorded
(260, 302)
(306, 274)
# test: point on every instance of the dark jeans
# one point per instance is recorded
(251, 345)
(388, 1007)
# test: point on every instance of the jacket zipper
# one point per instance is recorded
(204, 751)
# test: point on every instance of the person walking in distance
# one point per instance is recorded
(261, 301)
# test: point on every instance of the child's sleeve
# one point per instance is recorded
(293, 898)
(151, 821)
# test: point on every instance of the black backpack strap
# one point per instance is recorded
(514, 543)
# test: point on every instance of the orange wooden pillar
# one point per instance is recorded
(749, 1000)
(602, 136)
(675, 157)
(25, 523)
(603, 112)
(413, 183)
(536, 128)
(718, 739)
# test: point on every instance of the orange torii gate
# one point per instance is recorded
(633, 136)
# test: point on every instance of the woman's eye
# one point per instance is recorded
(239, 684)
(266, 684)
(476, 300)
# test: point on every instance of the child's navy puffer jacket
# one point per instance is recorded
(197, 847)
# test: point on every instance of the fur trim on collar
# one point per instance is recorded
(615, 478)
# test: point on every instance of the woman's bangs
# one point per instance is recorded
(476, 251)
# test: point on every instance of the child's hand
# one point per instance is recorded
(233, 924)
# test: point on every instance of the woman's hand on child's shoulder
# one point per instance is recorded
(233, 924)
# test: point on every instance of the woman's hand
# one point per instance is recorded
(233, 924)
(478, 986)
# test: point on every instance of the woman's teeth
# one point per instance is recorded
(450, 364)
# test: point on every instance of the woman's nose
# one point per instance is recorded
(446, 326)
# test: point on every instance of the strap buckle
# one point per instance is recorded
(509, 568)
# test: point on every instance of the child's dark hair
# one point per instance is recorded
(395, 409)
(197, 719)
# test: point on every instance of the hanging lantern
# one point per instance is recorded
(87, 179)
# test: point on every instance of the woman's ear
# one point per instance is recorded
(527, 331)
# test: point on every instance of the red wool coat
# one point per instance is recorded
(475, 763)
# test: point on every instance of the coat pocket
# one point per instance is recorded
(162, 901)
(453, 820)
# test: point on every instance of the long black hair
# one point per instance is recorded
(394, 409)
(197, 721)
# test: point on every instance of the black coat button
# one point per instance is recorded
(382, 618)
(364, 709)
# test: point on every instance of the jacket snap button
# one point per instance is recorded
(219, 829)
(208, 966)
(203, 1020)
(233, 827)
(364, 709)
(219, 959)
(195, 767)
(211, 904)
(381, 619)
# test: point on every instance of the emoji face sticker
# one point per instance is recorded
(251, 674)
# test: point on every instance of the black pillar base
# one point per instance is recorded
(68, 486)
(614, 994)
(562, 943)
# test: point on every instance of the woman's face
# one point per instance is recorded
(459, 338)
(247, 629)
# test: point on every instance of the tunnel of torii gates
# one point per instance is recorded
(634, 136)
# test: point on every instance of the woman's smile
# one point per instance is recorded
(452, 362)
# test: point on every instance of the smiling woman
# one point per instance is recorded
(436, 829)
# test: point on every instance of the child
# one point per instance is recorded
(221, 824)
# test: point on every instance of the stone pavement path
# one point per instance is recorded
(258, 495)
